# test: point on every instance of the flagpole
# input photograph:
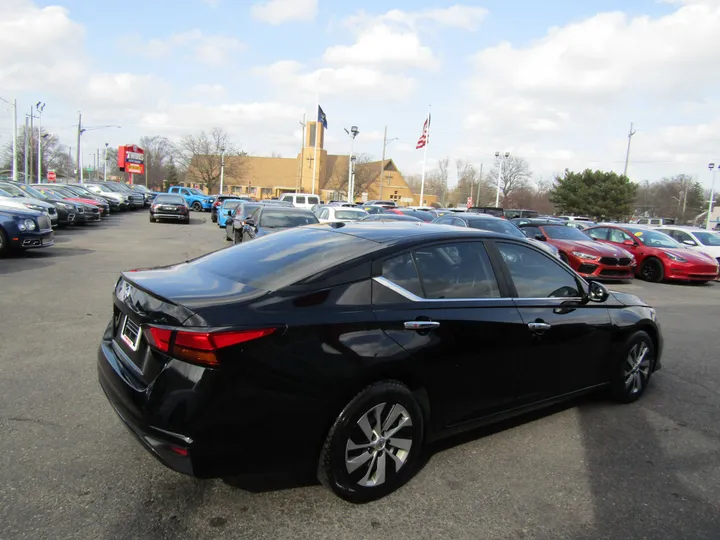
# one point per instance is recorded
(424, 167)
(317, 133)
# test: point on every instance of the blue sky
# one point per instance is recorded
(557, 82)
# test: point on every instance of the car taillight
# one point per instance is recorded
(199, 347)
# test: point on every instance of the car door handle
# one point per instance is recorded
(539, 326)
(421, 325)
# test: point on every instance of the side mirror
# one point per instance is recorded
(541, 237)
(597, 292)
(689, 243)
(250, 222)
(229, 212)
(628, 243)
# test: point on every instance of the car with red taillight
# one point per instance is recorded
(166, 207)
(659, 257)
(589, 258)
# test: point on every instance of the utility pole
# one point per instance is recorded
(105, 166)
(479, 183)
(627, 154)
(299, 183)
(40, 108)
(27, 153)
(382, 163)
(14, 132)
(711, 166)
(79, 175)
(32, 136)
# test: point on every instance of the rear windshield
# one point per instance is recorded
(276, 219)
(229, 205)
(169, 199)
(350, 214)
(281, 259)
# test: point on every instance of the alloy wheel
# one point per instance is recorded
(379, 444)
(637, 368)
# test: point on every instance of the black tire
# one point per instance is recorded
(384, 398)
(4, 242)
(152, 219)
(631, 374)
(196, 207)
(652, 270)
(237, 236)
(213, 218)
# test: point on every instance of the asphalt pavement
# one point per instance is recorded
(590, 469)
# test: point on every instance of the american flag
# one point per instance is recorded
(425, 137)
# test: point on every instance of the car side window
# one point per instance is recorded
(300, 200)
(618, 236)
(680, 236)
(401, 270)
(445, 221)
(324, 213)
(532, 232)
(454, 271)
(536, 275)
(458, 222)
(600, 233)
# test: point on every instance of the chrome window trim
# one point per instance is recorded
(385, 282)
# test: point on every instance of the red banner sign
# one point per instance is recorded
(131, 159)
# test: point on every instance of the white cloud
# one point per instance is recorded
(568, 98)
(352, 82)
(39, 47)
(211, 49)
(383, 46)
(456, 16)
(281, 11)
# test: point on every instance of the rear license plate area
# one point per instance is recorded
(130, 333)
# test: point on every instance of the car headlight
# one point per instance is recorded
(34, 207)
(64, 206)
(27, 225)
(586, 256)
(673, 257)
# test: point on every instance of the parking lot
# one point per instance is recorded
(585, 470)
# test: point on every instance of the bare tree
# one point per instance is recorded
(158, 152)
(201, 155)
(516, 176)
(365, 175)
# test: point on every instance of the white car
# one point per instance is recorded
(702, 240)
(301, 200)
(339, 214)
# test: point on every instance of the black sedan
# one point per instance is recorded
(344, 348)
(270, 218)
(24, 229)
(66, 210)
(169, 207)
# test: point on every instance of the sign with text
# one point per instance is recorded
(131, 159)
(51, 176)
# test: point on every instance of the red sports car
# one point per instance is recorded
(589, 258)
(658, 256)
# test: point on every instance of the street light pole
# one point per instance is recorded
(105, 166)
(500, 171)
(27, 153)
(711, 166)
(351, 161)
(80, 131)
(14, 138)
(222, 169)
(382, 163)
(40, 108)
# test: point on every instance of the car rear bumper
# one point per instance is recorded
(207, 423)
(178, 217)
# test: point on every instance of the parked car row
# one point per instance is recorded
(30, 212)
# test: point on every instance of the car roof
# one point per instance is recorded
(472, 216)
(523, 222)
(397, 232)
(289, 209)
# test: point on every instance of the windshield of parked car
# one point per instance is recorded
(654, 238)
(169, 199)
(53, 193)
(12, 191)
(4, 193)
(113, 188)
(102, 188)
(495, 225)
(708, 238)
(246, 209)
(350, 214)
(563, 232)
(277, 219)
